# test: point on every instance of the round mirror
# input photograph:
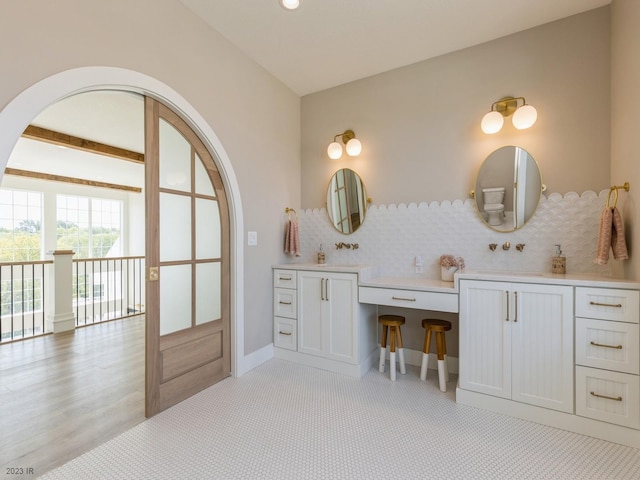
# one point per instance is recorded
(508, 188)
(346, 201)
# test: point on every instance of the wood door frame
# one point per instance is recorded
(16, 116)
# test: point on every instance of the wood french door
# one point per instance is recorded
(187, 257)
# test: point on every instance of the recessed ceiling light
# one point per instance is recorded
(290, 4)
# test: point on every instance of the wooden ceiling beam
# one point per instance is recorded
(77, 181)
(62, 139)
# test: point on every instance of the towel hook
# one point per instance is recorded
(615, 199)
(288, 210)
(615, 189)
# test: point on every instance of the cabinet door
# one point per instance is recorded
(311, 335)
(485, 341)
(342, 299)
(542, 339)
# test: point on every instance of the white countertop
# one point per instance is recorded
(365, 272)
(368, 276)
(578, 280)
(416, 282)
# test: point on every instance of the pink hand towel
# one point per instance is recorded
(618, 244)
(292, 239)
(611, 237)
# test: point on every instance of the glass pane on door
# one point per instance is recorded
(203, 182)
(208, 292)
(175, 227)
(207, 229)
(175, 298)
(175, 159)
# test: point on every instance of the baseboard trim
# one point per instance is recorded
(352, 370)
(255, 359)
(564, 421)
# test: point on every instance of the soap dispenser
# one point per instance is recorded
(320, 256)
(559, 262)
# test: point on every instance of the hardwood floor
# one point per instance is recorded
(62, 395)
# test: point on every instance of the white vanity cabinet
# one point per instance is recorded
(333, 330)
(516, 342)
(607, 364)
(328, 315)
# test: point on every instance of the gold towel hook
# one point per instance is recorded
(615, 189)
(288, 210)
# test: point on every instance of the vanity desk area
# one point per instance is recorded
(415, 292)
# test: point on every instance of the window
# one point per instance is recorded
(91, 227)
(20, 225)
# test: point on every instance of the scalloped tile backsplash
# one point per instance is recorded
(392, 236)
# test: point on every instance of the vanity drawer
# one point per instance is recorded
(284, 278)
(608, 304)
(285, 303)
(285, 334)
(442, 302)
(608, 345)
(608, 396)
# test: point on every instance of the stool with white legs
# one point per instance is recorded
(438, 327)
(392, 324)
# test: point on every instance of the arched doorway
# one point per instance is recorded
(15, 117)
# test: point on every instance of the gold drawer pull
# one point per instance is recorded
(404, 299)
(289, 333)
(617, 399)
(615, 305)
(619, 347)
(285, 303)
(284, 278)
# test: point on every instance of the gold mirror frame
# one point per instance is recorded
(346, 201)
(514, 169)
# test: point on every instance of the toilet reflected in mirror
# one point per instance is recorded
(493, 206)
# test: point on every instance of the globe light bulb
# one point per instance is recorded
(492, 122)
(524, 117)
(354, 147)
(334, 151)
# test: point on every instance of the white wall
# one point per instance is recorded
(255, 117)
(625, 127)
(420, 124)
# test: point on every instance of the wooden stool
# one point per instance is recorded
(438, 327)
(392, 322)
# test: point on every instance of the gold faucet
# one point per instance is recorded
(506, 246)
(341, 245)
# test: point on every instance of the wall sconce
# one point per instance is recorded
(353, 145)
(524, 116)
